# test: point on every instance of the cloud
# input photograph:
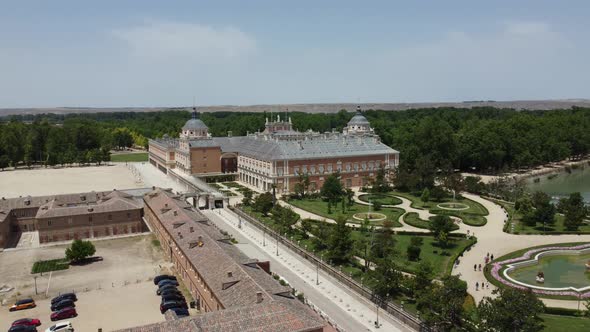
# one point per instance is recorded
(162, 39)
(527, 28)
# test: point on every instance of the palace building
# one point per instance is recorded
(277, 155)
(71, 216)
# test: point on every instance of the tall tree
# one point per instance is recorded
(442, 304)
(512, 310)
(441, 226)
(340, 242)
(575, 211)
(387, 278)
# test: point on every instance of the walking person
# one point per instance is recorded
(474, 267)
(492, 257)
(476, 286)
(479, 267)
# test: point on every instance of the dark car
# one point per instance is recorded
(23, 328)
(63, 314)
(27, 321)
(180, 312)
(63, 304)
(172, 297)
(170, 292)
(172, 304)
(159, 278)
(165, 288)
(167, 282)
(65, 296)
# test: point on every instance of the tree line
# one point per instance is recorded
(485, 140)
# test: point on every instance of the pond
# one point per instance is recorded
(560, 271)
(564, 183)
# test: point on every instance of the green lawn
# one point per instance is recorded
(555, 323)
(50, 265)
(319, 207)
(473, 216)
(413, 219)
(214, 185)
(233, 184)
(129, 157)
(227, 192)
(380, 198)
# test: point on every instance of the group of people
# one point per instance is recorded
(477, 267)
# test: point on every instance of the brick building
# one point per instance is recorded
(68, 217)
(235, 293)
(277, 155)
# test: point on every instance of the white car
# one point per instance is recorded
(61, 327)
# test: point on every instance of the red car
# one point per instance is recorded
(64, 313)
(27, 322)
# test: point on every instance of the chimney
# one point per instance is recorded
(191, 229)
(166, 205)
(229, 274)
(153, 187)
(175, 213)
(200, 238)
(180, 235)
(259, 297)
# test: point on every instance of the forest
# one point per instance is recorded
(484, 140)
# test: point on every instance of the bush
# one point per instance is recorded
(377, 206)
(413, 253)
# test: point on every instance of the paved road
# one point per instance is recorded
(350, 312)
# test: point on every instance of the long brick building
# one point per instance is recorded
(71, 216)
(234, 292)
(277, 155)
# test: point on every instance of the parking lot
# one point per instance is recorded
(113, 293)
(110, 309)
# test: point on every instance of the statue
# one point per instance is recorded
(540, 277)
(588, 266)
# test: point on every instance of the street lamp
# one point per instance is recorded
(278, 244)
(264, 237)
(317, 272)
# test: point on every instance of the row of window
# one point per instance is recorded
(348, 167)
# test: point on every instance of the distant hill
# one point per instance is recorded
(316, 108)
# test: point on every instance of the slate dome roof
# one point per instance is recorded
(194, 123)
(358, 119)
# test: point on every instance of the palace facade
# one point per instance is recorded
(277, 155)
(69, 217)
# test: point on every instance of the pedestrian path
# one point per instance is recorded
(349, 311)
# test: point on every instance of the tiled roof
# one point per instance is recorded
(278, 311)
(112, 202)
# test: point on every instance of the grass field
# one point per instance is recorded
(380, 198)
(319, 207)
(50, 265)
(473, 216)
(555, 323)
(129, 157)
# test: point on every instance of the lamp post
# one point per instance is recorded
(377, 325)
(264, 236)
(278, 244)
(35, 277)
(317, 272)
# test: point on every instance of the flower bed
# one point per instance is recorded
(498, 267)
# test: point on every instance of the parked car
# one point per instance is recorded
(180, 312)
(23, 304)
(165, 288)
(63, 304)
(27, 322)
(170, 291)
(172, 297)
(172, 304)
(167, 282)
(161, 277)
(22, 328)
(65, 296)
(63, 314)
(61, 327)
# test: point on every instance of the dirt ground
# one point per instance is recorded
(48, 181)
(125, 261)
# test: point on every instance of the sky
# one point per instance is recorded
(117, 53)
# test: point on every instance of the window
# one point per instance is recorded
(356, 167)
(304, 169)
(90, 219)
(321, 168)
(348, 167)
(48, 222)
(296, 170)
(364, 165)
(110, 217)
(371, 165)
(312, 169)
(330, 169)
(280, 171)
(128, 215)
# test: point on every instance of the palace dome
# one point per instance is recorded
(358, 119)
(194, 123)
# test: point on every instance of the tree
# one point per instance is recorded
(350, 197)
(423, 277)
(263, 203)
(4, 161)
(332, 190)
(441, 226)
(380, 184)
(384, 242)
(454, 182)
(442, 304)
(247, 199)
(79, 250)
(512, 310)
(575, 211)
(437, 193)
(414, 249)
(544, 211)
(285, 218)
(340, 242)
(425, 195)
(302, 185)
(122, 138)
(387, 279)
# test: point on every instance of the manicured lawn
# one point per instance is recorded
(473, 216)
(555, 323)
(319, 207)
(129, 157)
(233, 184)
(380, 198)
(413, 219)
(50, 265)
(228, 192)
(214, 185)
